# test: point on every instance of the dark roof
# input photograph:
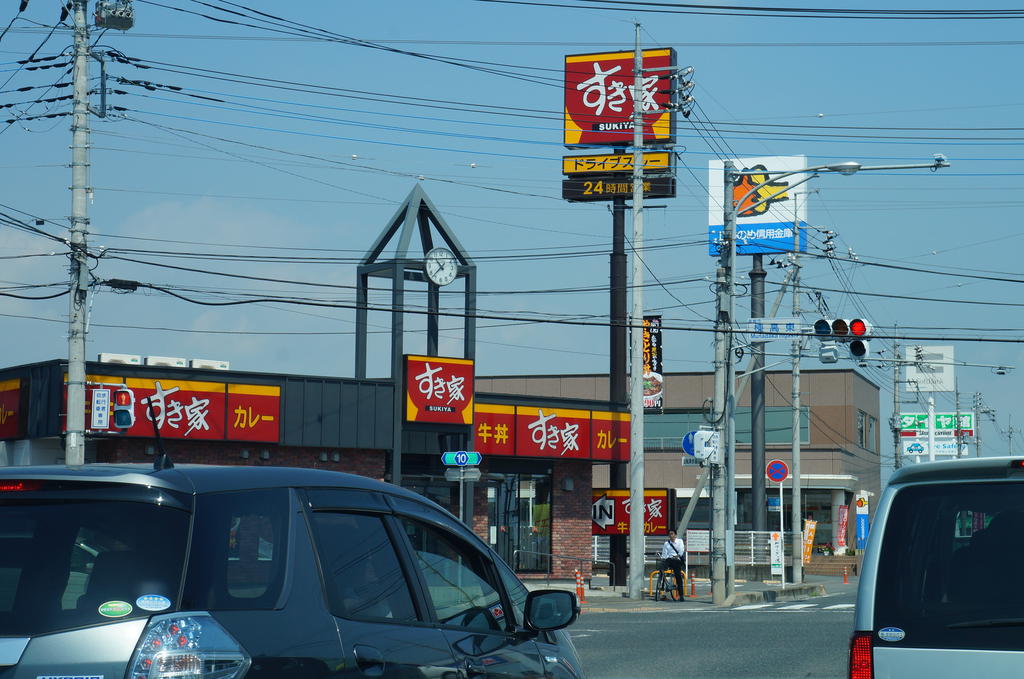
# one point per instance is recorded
(200, 478)
(963, 469)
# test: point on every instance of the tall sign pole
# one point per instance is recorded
(797, 513)
(74, 444)
(636, 377)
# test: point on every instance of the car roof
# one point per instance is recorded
(201, 478)
(963, 469)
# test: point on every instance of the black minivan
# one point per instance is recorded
(203, 572)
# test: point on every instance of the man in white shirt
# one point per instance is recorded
(672, 559)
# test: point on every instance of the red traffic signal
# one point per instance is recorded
(124, 408)
(859, 327)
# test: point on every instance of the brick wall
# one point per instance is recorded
(368, 463)
(571, 517)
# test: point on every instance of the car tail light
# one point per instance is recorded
(861, 665)
(11, 485)
(187, 646)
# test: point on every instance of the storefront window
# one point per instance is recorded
(519, 520)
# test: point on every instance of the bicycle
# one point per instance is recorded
(666, 589)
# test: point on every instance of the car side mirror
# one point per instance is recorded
(551, 609)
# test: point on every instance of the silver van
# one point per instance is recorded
(942, 585)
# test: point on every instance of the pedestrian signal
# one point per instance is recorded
(124, 408)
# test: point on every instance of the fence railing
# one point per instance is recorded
(752, 548)
(580, 561)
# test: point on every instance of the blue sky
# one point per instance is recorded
(315, 164)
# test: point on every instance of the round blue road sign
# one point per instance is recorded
(776, 470)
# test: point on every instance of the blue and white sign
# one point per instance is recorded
(767, 228)
(702, 444)
(100, 418)
(768, 329)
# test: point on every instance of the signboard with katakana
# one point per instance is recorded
(944, 424)
(611, 508)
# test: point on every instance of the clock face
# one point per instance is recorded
(441, 265)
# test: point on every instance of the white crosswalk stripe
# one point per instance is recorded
(829, 608)
(750, 607)
(797, 607)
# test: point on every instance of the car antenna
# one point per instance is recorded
(163, 460)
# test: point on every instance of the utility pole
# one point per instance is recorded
(797, 348)
(897, 450)
(636, 377)
(74, 445)
(957, 430)
(722, 403)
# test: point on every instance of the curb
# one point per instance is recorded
(789, 593)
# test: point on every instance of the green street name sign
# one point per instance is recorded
(461, 458)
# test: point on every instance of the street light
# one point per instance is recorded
(723, 411)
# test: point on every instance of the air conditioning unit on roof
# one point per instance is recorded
(167, 361)
(129, 359)
(209, 364)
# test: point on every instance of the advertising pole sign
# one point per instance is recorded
(654, 377)
(863, 524)
(599, 98)
(810, 527)
(760, 229)
(439, 390)
(611, 508)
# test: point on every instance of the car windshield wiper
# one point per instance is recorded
(989, 622)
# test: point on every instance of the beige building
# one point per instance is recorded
(840, 437)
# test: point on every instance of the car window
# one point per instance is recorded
(239, 550)
(947, 567)
(362, 574)
(66, 564)
(457, 579)
(517, 591)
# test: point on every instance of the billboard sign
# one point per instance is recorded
(599, 98)
(654, 377)
(930, 368)
(532, 431)
(611, 508)
(616, 163)
(863, 521)
(767, 228)
(608, 187)
(190, 409)
(10, 409)
(439, 390)
(944, 424)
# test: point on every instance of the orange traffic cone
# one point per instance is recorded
(579, 588)
(846, 576)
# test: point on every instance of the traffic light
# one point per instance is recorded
(124, 408)
(853, 332)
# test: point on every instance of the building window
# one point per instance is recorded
(519, 513)
(867, 427)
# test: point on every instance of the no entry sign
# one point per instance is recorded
(777, 470)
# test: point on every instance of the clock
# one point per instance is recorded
(441, 266)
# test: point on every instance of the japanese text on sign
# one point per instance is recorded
(611, 509)
(439, 389)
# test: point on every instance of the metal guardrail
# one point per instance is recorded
(752, 548)
(580, 560)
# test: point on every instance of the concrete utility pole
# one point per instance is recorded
(897, 450)
(636, 373)
(74, 446)
(722, 404)
(797, 348)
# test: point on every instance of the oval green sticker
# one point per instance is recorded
(115, 609)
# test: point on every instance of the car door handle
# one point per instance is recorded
(474, 668)
(369, 660)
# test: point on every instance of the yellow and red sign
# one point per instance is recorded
(538, 431)
(439, 390)
(611, 509)
(10, 409)
(494, 429)
(198, 410)
(599, 98)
